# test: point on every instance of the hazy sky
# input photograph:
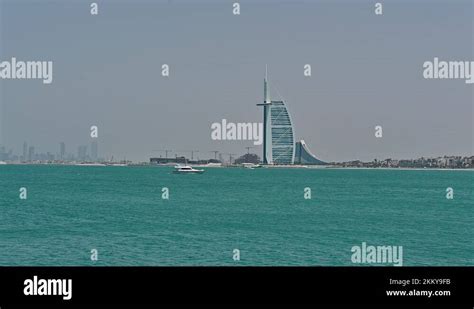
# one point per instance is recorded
(366, 71)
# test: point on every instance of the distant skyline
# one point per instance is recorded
(366, 71)
(64, 152)
(90, 153)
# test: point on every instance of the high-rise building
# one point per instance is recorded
(25, 152)
(62, 150)
(279, 145)
(278, 139)
(3, 153)
(94, 150)
(82, 153)
(31, 153)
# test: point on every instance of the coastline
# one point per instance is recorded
(312, 167)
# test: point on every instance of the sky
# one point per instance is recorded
(367, 70)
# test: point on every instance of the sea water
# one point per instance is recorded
(263, 213)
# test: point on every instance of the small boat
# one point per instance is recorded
(186, 169)
(116, 164)
(250, 165)
(89, 164)
(211, 164)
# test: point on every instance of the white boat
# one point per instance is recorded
(89, 164)
(250, 165)
(186, 169)
(211, 164)
(3, 162)
(116, 164)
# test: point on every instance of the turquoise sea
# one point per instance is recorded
(119, 211)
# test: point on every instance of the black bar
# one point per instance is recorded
(239, 285)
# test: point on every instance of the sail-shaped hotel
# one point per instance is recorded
(279, 145)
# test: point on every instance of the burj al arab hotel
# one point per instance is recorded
(279, 146)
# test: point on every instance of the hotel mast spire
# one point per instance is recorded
(266, 94)
(266, 117)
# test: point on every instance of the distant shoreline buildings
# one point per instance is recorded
(62, 157)
(451, 162)
(30, 154)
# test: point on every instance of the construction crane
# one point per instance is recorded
(215, 153)
(230, 157)
(192, 153)
(163, 150)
